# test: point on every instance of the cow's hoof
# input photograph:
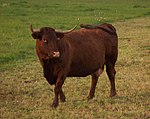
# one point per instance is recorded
(113, 94)
(89, 98)
(54, 105)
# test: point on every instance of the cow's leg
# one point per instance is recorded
(93, 83)
(110, 69)
(58, 90)
(62, 96)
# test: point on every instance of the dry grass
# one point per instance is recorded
(24, 93)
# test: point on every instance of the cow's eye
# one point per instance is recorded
(45, 41)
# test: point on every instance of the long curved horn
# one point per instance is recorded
(34, 30)
(31, 28)
(65, 32)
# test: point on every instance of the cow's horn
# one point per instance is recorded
(34, 30)
(68, 31)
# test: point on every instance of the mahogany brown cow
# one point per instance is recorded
(77, 53)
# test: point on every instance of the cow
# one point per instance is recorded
(77, 53)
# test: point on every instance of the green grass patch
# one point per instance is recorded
(15, 17)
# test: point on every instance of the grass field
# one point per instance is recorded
(24, 93)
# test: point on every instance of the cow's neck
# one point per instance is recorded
(63, 47)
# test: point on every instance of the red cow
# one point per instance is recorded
(77, 53)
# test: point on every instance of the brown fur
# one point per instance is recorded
(82, 52)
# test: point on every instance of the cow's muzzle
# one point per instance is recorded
(54, 54)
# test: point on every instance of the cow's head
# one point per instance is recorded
(47, 41)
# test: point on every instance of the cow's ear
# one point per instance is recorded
(59, 35)
(37, 35)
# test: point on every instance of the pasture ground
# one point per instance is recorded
(24, 93)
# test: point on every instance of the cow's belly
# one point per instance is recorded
(84, 68)
(81, 72)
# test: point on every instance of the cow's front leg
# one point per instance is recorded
(57, 90)
(62, 96)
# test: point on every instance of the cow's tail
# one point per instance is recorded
(110, 28)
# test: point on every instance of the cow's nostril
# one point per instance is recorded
(53, 53)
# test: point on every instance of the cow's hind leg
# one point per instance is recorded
(94, 82)
(110, 69)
